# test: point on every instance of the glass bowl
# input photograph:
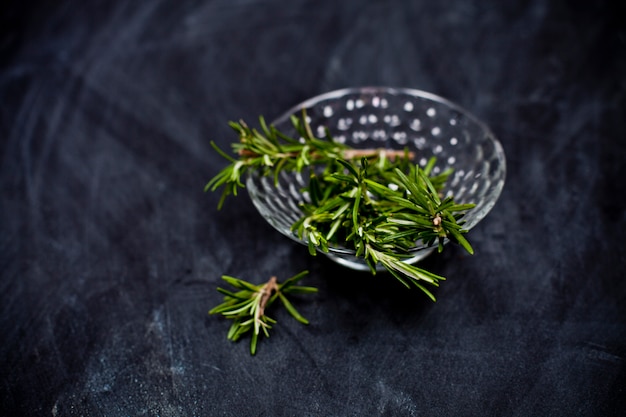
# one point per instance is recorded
(392, 118)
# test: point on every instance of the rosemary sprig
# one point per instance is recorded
(271, 151)
(382, 212)
(374, 201)
(247, 306)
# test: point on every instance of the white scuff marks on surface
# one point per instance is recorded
(160, 328)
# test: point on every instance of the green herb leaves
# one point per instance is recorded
(377, 202)
(271, 151)
(247, 305)
(382, 210)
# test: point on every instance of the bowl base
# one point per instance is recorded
(359, 264)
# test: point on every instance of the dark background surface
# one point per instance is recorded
(110, 252)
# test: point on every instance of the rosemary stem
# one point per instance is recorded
(266, 292)
(392, 154)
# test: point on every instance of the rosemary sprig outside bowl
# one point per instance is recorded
(375, 178)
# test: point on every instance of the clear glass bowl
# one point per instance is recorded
(392, 118)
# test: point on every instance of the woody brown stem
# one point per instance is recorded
(268, 289)
(348, 153)
(380, 152)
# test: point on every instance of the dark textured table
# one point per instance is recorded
(110, 251)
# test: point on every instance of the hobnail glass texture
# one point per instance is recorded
(392, 118)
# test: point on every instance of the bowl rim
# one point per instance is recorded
(384, 89)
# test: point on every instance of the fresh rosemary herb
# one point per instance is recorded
(374, 201)
(247, 306)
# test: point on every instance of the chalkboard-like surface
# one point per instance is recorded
(110, 252)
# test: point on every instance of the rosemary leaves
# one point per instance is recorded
(247, 306)
(376, 202)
